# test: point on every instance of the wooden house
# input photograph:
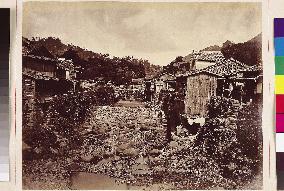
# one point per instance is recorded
(46, 75)
(244, 86)
(35, 64)
(200, 87)
(137, 84)
(164, 82)
(48, 67)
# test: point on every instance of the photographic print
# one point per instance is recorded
(142, 96)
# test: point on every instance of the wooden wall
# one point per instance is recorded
(199, 89)
(46, 67)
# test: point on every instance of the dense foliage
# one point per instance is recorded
(117, 70)
(249, 133)
(218, 106)
(248, 52)
(57, 129)
(232, 136)
(178, 65)
(93, 65)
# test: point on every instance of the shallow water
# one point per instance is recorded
(92, 181)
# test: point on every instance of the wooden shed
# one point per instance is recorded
(200, 87)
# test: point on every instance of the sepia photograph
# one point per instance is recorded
(142, 96)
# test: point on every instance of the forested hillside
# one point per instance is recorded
(93, 65)
(248, 52)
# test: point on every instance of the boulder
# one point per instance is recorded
(122, 147)
(155, 152)
(87, 158)
(145, 128)
(131, 152)
(173, 144)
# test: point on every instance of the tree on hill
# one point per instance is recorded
(248, 52)
(95, 65)
(212, 48)
(178, 66)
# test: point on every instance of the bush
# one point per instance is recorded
(249, 134)
(105, 95)
(237, 151)
(219, 106)
(58, 130)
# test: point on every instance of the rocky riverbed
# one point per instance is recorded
(126, 147)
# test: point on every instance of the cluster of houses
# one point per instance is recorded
(44, 76)
(210, 75)
(216, 76)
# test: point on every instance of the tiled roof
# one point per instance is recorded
(39, 76)
(253, 68)
(226, 67)
(221, 68)
(164, 76)
(63, 64)
(208, 56)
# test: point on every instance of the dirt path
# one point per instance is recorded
(133, 103)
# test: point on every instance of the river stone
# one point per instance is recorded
(145, 128)
(123, 146)
(116, 157)
(233, 126)
(130, 152)
(155, 152)
(102, 130)
(156, 160)
(73, 167)
(87, 158)
(173, 144)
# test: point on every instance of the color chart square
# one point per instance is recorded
(279, 84)
(279, 123)
(280, 169)
(280, 103)
(279, 27)
(279, 65)
(280, 142)
(279, 46)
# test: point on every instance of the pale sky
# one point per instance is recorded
(158, 32)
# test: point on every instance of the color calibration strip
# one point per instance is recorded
(4, 93)
(279, 91)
